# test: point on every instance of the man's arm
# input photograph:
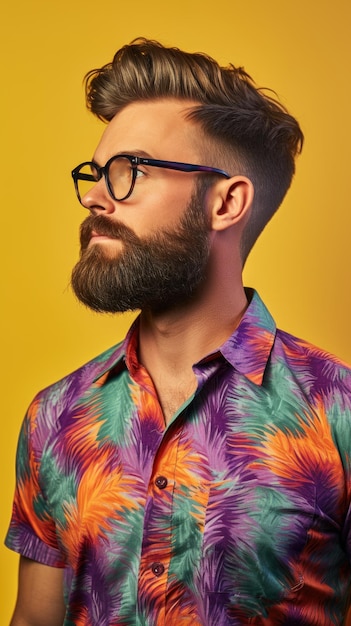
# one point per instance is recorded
(40, 595)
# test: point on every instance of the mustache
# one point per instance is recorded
(102, 225)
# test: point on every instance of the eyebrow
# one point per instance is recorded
(136, 152)
(139, 153)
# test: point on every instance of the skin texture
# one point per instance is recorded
(40, 597)
(170, 342)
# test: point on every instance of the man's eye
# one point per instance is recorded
(140, 173)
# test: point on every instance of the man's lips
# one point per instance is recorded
(96, 236)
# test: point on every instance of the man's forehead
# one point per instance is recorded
(149, 125)
(154, 114)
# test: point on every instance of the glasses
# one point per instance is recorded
(121, 171)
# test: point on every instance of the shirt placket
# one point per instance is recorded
(157, 537)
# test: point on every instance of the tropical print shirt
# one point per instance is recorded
(237, 513)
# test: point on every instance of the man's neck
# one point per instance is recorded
(171, 342)
(188, 333)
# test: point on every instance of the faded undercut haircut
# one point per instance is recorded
(248, 131)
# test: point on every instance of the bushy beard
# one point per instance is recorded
(158, 272)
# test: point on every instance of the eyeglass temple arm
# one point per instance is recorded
(183, 167)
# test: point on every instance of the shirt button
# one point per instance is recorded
(157, 569)
(161, 482)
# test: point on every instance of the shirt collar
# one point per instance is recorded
(114, 359)
(248, 348)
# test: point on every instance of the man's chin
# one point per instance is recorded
(107, 247)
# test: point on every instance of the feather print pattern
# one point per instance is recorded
(236, 513)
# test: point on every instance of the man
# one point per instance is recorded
(200, 471)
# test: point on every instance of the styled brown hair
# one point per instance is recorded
(249, 132)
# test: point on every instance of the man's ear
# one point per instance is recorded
(231, 201)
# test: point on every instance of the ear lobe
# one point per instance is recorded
(232, 201)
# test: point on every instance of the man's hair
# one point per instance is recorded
(248, 132)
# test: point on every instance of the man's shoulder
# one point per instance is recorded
(306, 357)
(258, 336)
(307, 348)
(69, 389)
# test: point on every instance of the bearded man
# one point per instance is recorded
(199, 472)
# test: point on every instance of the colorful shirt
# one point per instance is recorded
(237, 513)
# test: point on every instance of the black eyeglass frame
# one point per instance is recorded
(135, 161)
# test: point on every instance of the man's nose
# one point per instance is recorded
(98, 200)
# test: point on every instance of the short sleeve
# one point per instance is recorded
(32, 530)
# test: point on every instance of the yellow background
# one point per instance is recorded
(301, 265)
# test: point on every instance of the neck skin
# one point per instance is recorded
(176, 340)
(171, 342)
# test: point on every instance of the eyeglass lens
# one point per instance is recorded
(119, 174)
